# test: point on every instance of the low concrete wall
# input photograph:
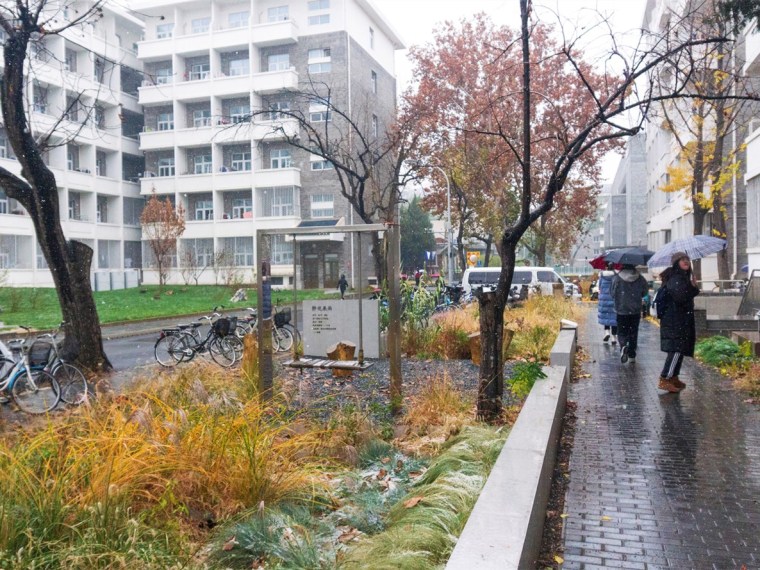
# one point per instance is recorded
(505, 528)
(718, 305)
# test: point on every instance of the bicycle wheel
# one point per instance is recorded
(222, 352)
(237, 346)
(37, 396)
(72, 382)
(169, 350)
(284, 338)
(294, 331)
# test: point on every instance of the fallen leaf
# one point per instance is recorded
(385, 460)
(564, 516)
(287, 534)
(349, 535)
(399, 465)
(258, 563)
(413, 502)
(558, 559)
(230, 544)
(415, 474)
(381, 474)
(606, 518)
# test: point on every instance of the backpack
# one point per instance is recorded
(661, 301)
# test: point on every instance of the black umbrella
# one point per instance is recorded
(629, 256)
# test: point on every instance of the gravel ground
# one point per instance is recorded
(317, 390)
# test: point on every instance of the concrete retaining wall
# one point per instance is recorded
(505, 527)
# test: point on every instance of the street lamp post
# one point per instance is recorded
(448, 222)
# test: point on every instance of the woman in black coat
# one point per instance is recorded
(677, 330)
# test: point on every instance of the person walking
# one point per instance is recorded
(676, 312)
(606, 308)
(342, 285)
(627, 290)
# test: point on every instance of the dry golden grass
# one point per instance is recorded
(536, 325)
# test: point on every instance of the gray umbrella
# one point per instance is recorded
(629, 256)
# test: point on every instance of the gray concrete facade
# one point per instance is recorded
(626, 222)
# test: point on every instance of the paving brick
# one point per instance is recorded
(660, 480)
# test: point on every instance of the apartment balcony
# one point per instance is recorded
(199, 229)
(177, 89)
(156, 140)
(162, 185)
(233, 180)
(228, 84)
(234, 132)
(82, 178)
(130, 145)
(276, 222)
(753, 150)
(18, 223)
(155, 49)
(272, 177)
(230, 37)
(195, 182)
(275, 81)
(110, 186)
(276, 130)
(234, 228)
(275, 33)
(82, 228)
(130, 103)
(752, 62)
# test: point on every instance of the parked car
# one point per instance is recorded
(536, 278)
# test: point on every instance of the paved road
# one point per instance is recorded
(660, 480)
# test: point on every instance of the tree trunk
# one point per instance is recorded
(489, 243)
(69, 262)
(378, 257)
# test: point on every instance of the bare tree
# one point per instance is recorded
(191, 267)
(162, 225)
(27, 24)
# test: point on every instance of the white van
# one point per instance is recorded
(533, 277)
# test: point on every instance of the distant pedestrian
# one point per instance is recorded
(342, 285)
(677, 329)
(417, 277)
(606, 309)
(628, 289)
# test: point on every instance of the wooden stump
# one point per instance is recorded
(250, 364)
(475, 348)
(343, 350)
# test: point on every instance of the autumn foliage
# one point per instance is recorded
(162, 225)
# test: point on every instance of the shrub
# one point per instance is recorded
(718, 351)
(524, 375)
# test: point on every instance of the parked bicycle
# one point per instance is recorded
(71, 380)
(34, 390)
(184, 342)
(283, 331)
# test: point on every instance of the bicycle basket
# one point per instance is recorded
(282, 318)
(40, 352)
(222, 327)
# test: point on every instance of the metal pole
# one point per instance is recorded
(361, 323)
(450, 265)
(295, 298)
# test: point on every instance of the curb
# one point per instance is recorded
(506, 525)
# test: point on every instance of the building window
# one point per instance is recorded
(278, 62)
(3, 203)
(319, 114)
(99, 70)
(276, 109)
(240, 113)
(204, 210)
(72, 157)
(277, 14)
(238, 19)
(202, 164)
(70, 61)
(165, 121)
(164, 31)
(200, 25)
(322, 206)
(277, 202)
(163, 75)
(100, 163)
(241, 207)
(241, 161)
(199, 71)
(372, 38)
(375, 128)
(373, 80)
(202, 118)
(319, 5)
(320, 164)
(4, 148)
(280, 158)
(319, 60)
(166, 166)
(319, 20)
(239, 67)
(282, 251)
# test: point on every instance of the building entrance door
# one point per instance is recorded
(311, 272)
(332, 267)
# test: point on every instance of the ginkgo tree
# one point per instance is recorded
(554, 111)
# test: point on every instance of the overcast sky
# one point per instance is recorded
(415, 20)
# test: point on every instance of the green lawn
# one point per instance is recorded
(39, 308)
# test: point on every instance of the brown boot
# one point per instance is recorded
(678, 383)
(668, 385)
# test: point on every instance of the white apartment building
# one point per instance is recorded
(208, 67)
(97, 162)
(752, 140)
(669, 215)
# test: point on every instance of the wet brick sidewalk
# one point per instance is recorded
(660, 480)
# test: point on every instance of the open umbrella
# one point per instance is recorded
(629, 256)
(601, 264)
(696, 247)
